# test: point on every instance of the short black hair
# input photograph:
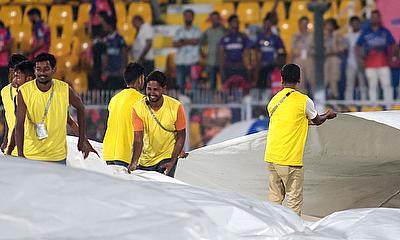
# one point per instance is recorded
(215, 13)
(354, 18)
(109, 20)
(34, 11)
(15, 59)
(333, 22)
(304, 18)
(138, 17)
(188, 11)
(132, 72)
(290, 73)
(157, 76)
(232, 17)
(27, 68)
(46, 57)
(376, 11)
(2, 24)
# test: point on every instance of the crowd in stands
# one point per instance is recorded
(226, 56)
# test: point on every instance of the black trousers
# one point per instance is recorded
(117, 162)
(160, 167)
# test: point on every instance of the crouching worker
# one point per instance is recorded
(159, 122)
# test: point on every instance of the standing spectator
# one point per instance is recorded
(234, 48)
(372, 52)
(116, 55)
(5, 47)
(211, 38)
(159, 122)
(98, 6)
(186, 41)
(353, 70)
(301, 53)
(334, 46)
(289, 112)
(395, 70)
(142, 49)
(269, 55)
(40, 35)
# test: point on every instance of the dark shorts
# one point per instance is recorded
(159, 167)
(117, 162)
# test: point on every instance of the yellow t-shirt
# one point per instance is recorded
(287, 131)
(118, 140)
(54, 147)
(158, 144)
(9, 108)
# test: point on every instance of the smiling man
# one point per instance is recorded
(159, 122)
(42, 112)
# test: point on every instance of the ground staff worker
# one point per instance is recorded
(159, 122)
(289, 112)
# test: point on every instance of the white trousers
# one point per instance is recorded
(353, 73)
(379, 75)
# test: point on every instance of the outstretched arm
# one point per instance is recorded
(19, 126)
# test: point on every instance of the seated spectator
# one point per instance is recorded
(234, 47)
(211, 38)
(270, 54)
(301, 54)
(187, 39)
(116, 55)
(40, 42)
(372, 52)
(142, 49)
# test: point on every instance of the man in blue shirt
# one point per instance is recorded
(234, 50)
(270, 53)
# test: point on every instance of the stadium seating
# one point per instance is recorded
(142, 9)
(120, 11)
(47, 2)
(42, 9)
(267, 7)
(299, 9)
(249, 12)
(224, 9)
(161, 41)
(81, 25)
(61, 14)
(127, 31)
(11, 14)
(22, 36)
(346, 10)
(24, 1)
(78, 80)
(160, 62)
(4, 1)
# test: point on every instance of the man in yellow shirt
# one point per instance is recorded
(42, 113)
(159, 122)
(118, 140)
(8, 93)
(289, 112)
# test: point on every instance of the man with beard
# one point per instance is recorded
(159, 122)
(40, 35)
(42, 113)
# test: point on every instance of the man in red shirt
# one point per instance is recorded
(5, 46)
(40, 35)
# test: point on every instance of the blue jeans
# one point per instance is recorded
(212, 76)
(395, 81)
(182, 72)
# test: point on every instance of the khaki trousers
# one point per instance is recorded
(289, 181)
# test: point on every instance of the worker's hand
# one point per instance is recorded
(132, 167)
(88, 148)
(330, 114)
(4, 146)
(183, 154)
(10, 149)
(168, 166)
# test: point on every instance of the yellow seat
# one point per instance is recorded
(160, 62)
(280, 10)
(299, 9)
(27, 2)
(61, 49)
(11, 15)
(120, 11)
(332, 11)
(286, 31)
(346, 10)
(81, 25)
(46, 2)
(206, 1)
(61, 14)
(174, 19)
(78, 80)
(371, 108)
(22, 34)
(42, 9)
(225, 10)
(248, 12)
(61, 31)
(201, 21)
(142, 9)
(161, 41)
(127, 31)
(4, 1)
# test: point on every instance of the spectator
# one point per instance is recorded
(99, 6)
(353, 70)
(301, 53)
(40, 35)
(5, 47)
(270, 50)
(395, 71)
(186, 41)
(211, 38)
(234, 47)
(333, 44)
(372, 52)
(142, 49)
(116, 55)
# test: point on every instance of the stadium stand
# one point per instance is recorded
(11, 14)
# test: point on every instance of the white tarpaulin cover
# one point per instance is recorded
(50, 201)
(352, 161)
